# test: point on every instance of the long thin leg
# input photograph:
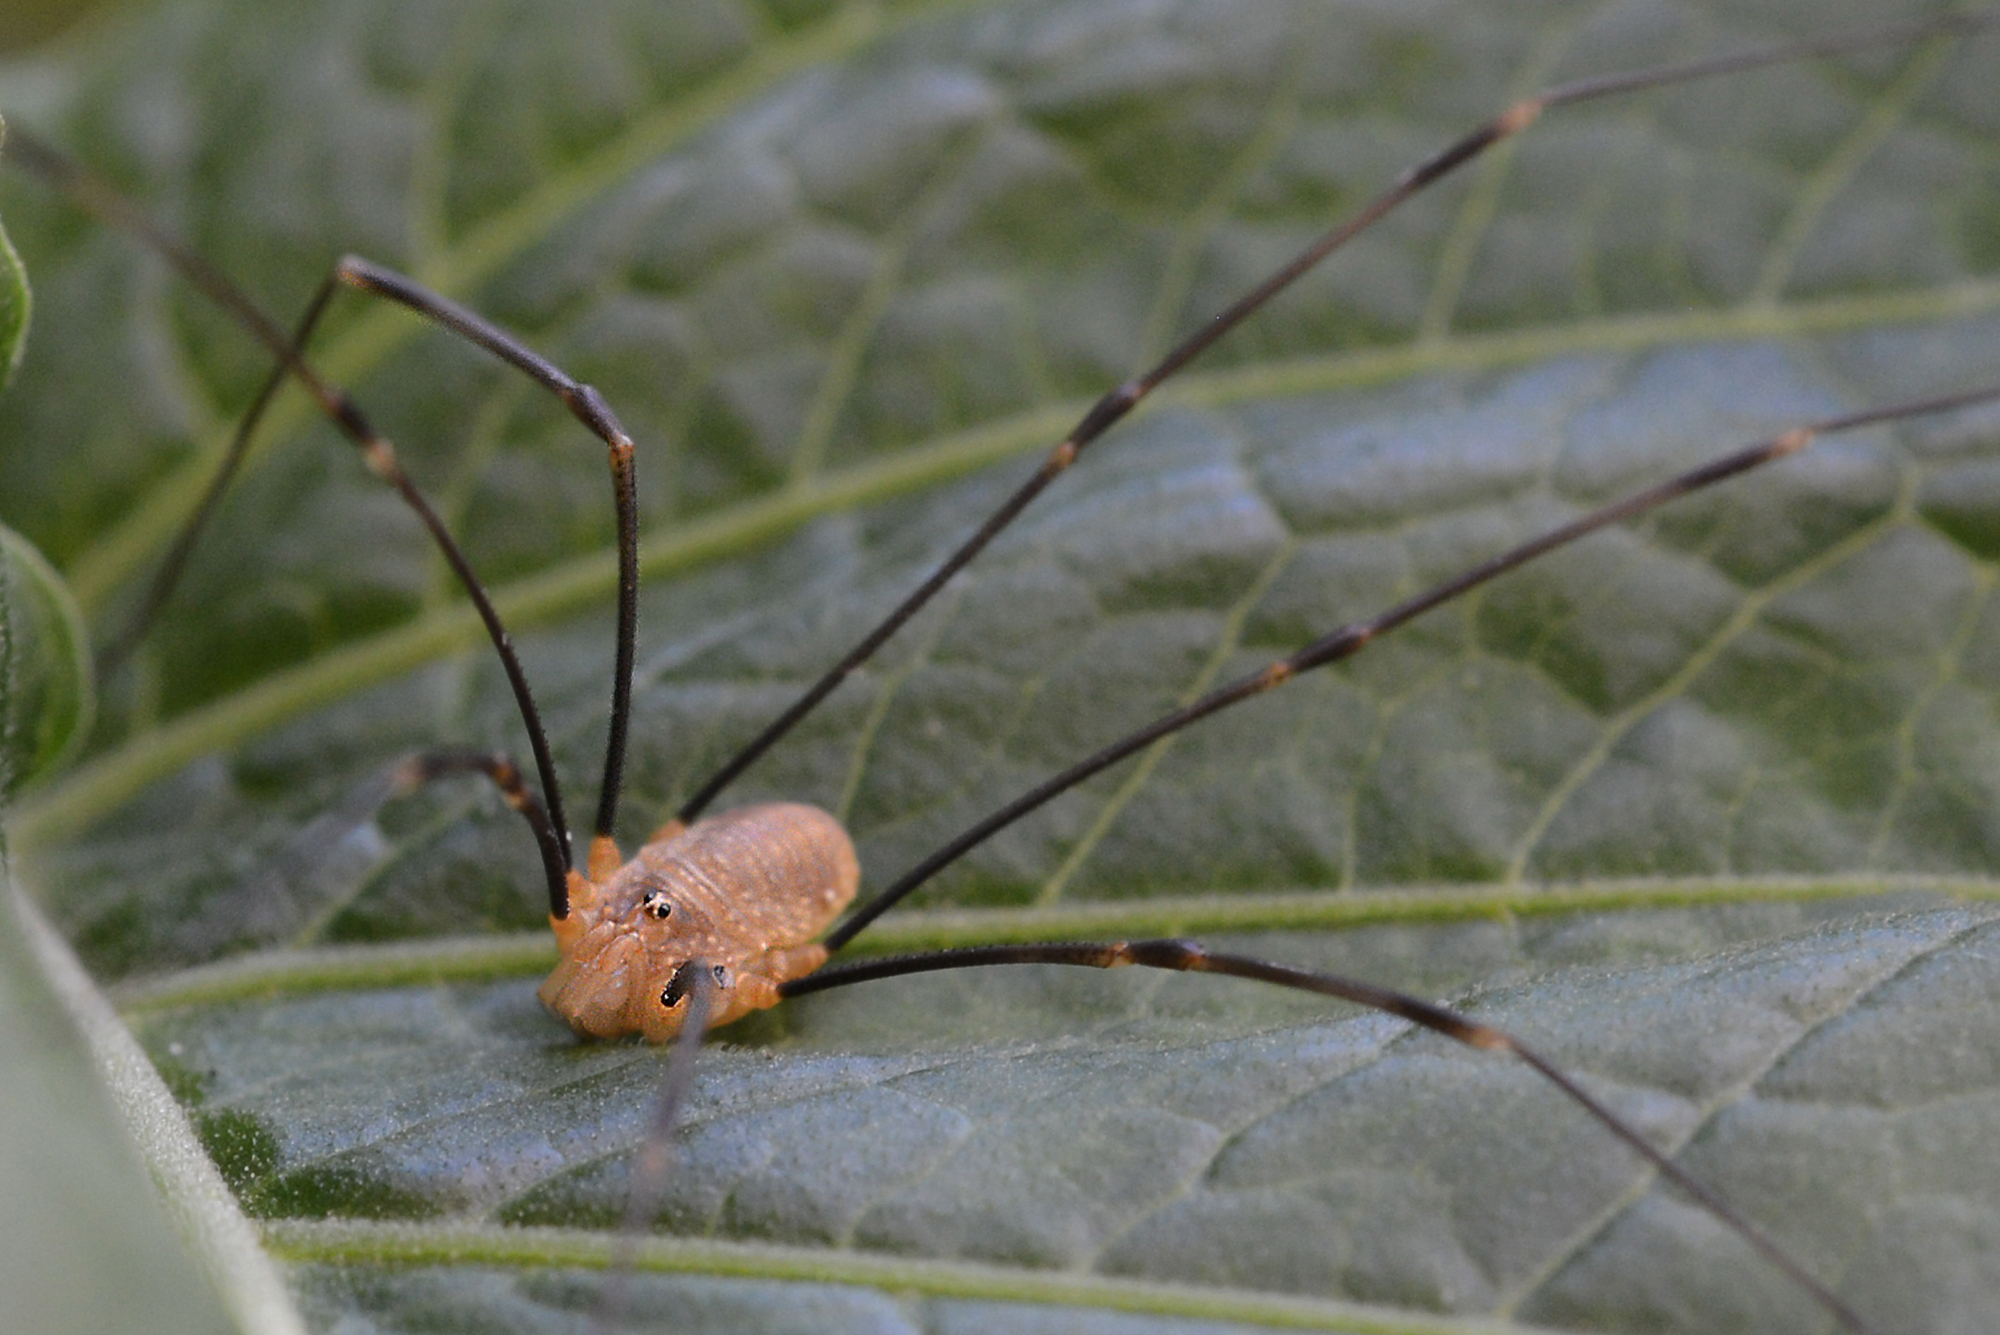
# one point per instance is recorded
(1351, 638)
(96, 196)
(1113, 407)
(589, 408)
(1191, 957)
(583, 401)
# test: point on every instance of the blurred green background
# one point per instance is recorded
(25, 22)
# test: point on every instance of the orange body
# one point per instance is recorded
(744, 893)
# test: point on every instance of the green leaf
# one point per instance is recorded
(1704, 807)
(15, 303)
(47, 698)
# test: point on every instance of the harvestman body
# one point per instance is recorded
(747, 892)
(719, 916)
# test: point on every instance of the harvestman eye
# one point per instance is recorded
(783, 905)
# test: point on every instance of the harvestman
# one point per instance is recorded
(718, 916)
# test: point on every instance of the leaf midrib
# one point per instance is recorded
(350, 1242)
(474, 959)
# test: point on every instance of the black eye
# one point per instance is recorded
(659, 906)
(678, 986)
(721, 976)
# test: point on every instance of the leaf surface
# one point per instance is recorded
(1703, 808)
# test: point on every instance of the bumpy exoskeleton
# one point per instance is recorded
(741, 894)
